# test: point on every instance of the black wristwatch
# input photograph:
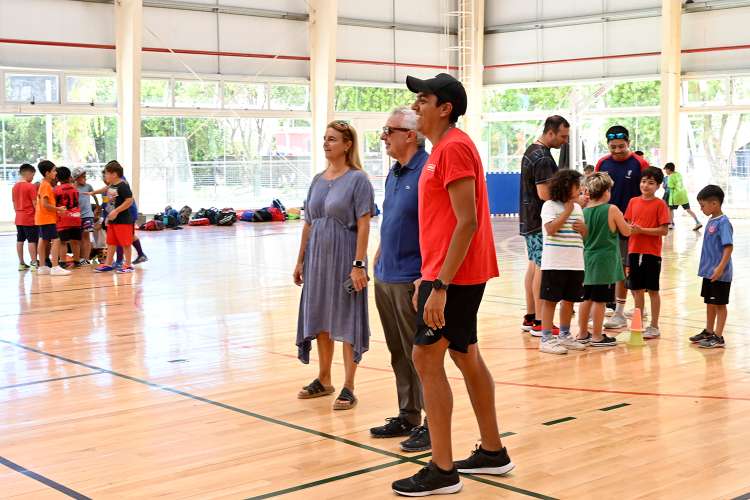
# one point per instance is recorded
(359, 264)
(439, 285)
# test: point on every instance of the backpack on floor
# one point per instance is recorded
(185, 213)
(226, 217)
(152, 225)
(200, 214)
(203, 221)
(276, 214)
(277, 204)
(247, 216)
(171, 218)
(262, 215)
(212, 214)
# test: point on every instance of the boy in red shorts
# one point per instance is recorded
(119, 219)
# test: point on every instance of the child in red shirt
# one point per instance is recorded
(24, 203)
(649, 219)
(68, 222)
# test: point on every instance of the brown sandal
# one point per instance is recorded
(345, 401)
(315, 390)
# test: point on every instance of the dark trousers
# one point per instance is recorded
(399, 322)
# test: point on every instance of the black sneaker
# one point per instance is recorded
(704, 335)
(394, 427)
(604, 342)
(428, 481)
(713, 342)
(481, 463)
(419, 440)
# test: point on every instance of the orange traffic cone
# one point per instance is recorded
(636, 329)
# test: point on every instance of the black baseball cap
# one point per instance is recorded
(444, 86)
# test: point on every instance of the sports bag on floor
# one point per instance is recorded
(199, 222)
(226, 217)
(185, 213)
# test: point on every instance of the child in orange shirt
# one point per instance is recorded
(46, 219)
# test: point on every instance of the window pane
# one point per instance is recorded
(633, 94)
(155, 93)
(192, 94)
(531, 99)
(25, 139)
(86, 141)
(239, 95)
(99, 90)
(741, 90)
(346, 98)
(28, 88)
(403, 97)
(702, 92)
(644, 136)
(507, 142)
(290, 97)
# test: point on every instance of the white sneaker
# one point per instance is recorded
(43, 270)
(616, 321)
(629, 314)
(651, 333)
(552, 347)
(569, 342)
(59, 271)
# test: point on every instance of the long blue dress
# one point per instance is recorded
(332, 210)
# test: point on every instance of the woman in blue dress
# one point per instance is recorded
(332, 264)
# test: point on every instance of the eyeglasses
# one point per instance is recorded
(389, 130)
(618, 135)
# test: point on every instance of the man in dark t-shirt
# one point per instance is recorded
(537, 168)
(624, 167)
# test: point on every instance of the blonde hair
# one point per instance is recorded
(597, 184)
(350, 136)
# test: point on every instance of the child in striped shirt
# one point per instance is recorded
(563, 230)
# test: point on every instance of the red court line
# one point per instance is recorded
(543, 386)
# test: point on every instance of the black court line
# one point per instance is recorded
(614, 407)
(265, 418)
(559, 421)
(746, 496)
(50, 380)
(46, 481)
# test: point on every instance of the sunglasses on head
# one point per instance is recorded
(389, 130)
(618, 135)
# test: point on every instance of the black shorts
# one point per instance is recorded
(48, 232)
(599, 293)
(27, 233)
(558, 284)
(461, 307)
(72, 234)
(686, 206)
(644, 274)
(715, 292)
(624, 250)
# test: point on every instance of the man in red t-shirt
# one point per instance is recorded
(458, 258)
(649, 219)
(24, 202)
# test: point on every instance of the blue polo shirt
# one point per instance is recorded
(626, 175)
(400, 259)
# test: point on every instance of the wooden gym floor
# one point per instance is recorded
(179, 381)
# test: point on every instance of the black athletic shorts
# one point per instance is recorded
(461, 307)
(47, 232)
(599, 293)
(715, 292)
(558, 284)
(686, 206)
(644, 274)
(72, 234)
(27, 233)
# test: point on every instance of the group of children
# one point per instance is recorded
(61, 213)
(581, 259)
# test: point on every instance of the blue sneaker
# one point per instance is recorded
(117, 264)
(103, 269)
(125, 269)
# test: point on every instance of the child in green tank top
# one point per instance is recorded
(601, 255)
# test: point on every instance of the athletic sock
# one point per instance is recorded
(137, 246)
(546, 335)
(620, 309)
(564, 331)
(119, 253)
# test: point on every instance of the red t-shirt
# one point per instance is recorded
(24, 194)
(649, 214)
(454, 157)
(66, 195)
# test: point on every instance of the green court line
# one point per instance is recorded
(271, 420)
(559, 421)
(614, 407)
(48, 380)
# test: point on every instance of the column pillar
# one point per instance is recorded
(322, 27)
(671, 68)
(128, 43)
(471, 63)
